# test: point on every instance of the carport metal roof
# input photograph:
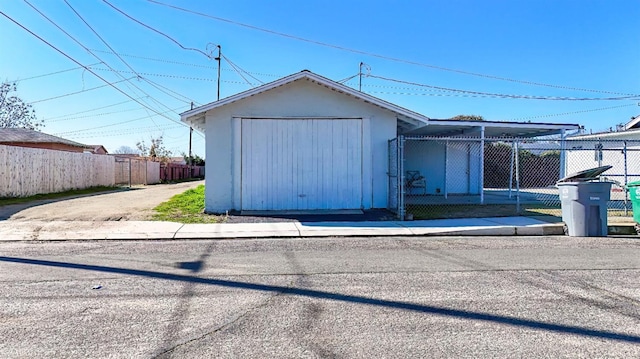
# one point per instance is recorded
(455, 128)
(407, 119)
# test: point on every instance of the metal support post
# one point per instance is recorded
(511, 168)
(563, 154)
(481, 182)
(626, 179)
(517, 161)
(401, 204)
(446, 159)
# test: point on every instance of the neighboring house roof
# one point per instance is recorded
(633, 124)
(97, 149)
(23, 135)
(633, 134)
(492, 128)
(195, 117)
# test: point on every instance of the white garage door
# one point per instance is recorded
(301, 164)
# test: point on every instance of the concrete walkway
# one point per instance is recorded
(85, 230)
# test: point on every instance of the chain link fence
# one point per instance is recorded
(451, 177)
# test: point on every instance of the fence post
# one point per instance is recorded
(517, 161)
(146, 173)
(401, 205)
(482, 165)
(513, 153)
(563, 154)
(446, 159)
(129, 172)
(626, 179)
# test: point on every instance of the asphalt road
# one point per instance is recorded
(322, 298)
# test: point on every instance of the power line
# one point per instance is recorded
(51, 73)
(78, 92)
(110, 48)
(119, 132)
(182, 63)
(91, 110)
(574, 112)
(171, 76)
(169, 92)
(93, 115)
(122, 122)
(78, 63)
(498, 95)
(384, 57)
(239, 70)
(158, 31)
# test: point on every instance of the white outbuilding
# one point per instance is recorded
(302, 142)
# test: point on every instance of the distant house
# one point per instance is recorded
(97, 149)
(23, 137)
(619, 149)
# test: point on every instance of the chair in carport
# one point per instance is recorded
(415, 180)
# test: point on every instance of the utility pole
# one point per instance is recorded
(218, 59)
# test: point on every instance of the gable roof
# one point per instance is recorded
(195, 117)
(23, 135)
(633, 124)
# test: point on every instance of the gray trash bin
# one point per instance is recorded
(584, 202)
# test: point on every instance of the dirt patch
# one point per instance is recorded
(135, 204)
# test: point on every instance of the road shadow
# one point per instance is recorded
(9, 210)
(408, 306)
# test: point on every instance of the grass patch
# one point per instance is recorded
(4, 201)
(186, 207)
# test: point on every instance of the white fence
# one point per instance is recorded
(29, 171)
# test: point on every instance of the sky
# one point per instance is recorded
(559, 61)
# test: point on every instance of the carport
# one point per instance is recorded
(450, 157)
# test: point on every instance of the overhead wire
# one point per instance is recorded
(91, 110)
(78, 92)
(574, 112)
(171, 76)
(157, 31)
(121, 59)
(51, 73)
(75, 61)
(384, 57)
(120, 123)
(499, 95)
(235, 66)
(92, 115)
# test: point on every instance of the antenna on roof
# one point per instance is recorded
(368, 69)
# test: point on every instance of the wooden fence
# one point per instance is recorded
(136, 171)
(28, 171)
(173, 172)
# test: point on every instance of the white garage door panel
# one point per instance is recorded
(301, 164)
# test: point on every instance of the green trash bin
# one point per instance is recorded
(634, 195)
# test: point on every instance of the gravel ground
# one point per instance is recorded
(135, 204)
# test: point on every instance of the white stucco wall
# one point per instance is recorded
(300, 99)
(462, 167)
(581, 155)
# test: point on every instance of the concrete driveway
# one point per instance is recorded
(322, 298)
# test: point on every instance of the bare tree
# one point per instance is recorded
(155, 151)
(14, 112)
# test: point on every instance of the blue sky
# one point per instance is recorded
(536, 48)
